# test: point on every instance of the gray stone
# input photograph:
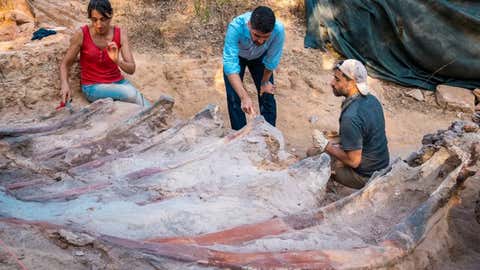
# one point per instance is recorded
(78, 253)
(416, 94)
(76, 239)
(428, 93)
(455, 98)
(313, 119)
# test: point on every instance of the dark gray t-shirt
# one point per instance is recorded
(362, 126)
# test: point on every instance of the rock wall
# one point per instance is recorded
(16, 18)
(30, 75)
(29, 70)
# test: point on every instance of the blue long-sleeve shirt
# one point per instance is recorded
(238, 42)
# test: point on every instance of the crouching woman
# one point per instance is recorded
(104, 53)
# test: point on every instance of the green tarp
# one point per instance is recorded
(417, 43)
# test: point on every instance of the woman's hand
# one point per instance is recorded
(65, 92)
(112, 51)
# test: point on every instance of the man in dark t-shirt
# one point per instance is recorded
(363, 143)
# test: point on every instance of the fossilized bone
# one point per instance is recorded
(226, 209)
(402, 239)
(391, 249)
(116, 139)
(206, 152)
(125, 135)
(68, 194)
(156, 140)
(69, 121)
(161, 109)
(205, 143)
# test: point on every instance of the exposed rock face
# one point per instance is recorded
(29, 70)
(16, 18)
(455, 98)
(31, 74)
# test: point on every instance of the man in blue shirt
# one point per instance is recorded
(363, 144)
(254, 40)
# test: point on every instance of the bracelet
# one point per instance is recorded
(265, 83)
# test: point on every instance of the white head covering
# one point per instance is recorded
(355, 70)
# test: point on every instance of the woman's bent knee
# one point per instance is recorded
(123, 91)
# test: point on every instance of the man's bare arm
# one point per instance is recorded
(349, 158)
(265, 86)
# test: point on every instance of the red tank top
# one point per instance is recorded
(95, 65)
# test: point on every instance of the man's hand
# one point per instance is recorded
(112, 51)
(267, 87)
(65, 93)
(247, 106)
(319, 140)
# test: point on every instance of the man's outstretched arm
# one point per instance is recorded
(231, 67)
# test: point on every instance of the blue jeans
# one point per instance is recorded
(121, 90)
(268, 106)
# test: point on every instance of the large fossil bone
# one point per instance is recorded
(193, 192)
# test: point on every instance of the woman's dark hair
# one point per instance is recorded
(102, 6)
(263, 19)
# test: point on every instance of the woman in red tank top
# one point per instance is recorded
(104, 51)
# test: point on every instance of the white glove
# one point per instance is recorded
(319, 140)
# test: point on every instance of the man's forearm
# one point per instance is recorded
(340, 154)
(237, 85)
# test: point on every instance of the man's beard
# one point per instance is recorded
(337, 92)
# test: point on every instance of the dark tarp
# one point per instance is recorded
(418, 43)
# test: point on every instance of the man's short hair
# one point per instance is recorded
(102, 6)
(263, 19)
